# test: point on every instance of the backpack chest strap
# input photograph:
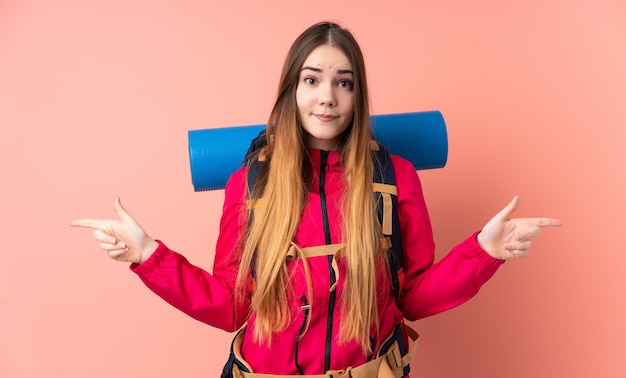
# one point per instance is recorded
(320, 250)
(334, 250)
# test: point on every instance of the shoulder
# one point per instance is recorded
(400, 164)
(407, 179)
(235, 186)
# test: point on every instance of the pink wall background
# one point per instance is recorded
(96, 98)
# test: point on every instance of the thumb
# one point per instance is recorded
(508, 209)
(121, 212)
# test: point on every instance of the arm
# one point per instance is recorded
(208, 298)
(205, 297)
(431, 288)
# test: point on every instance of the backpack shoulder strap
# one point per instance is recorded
(386, 197)
(255, 161)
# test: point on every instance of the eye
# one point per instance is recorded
(309, 80)
(348, 84)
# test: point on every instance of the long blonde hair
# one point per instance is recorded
(284, 183)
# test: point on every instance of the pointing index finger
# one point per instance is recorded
(90, 223)
(545, 222)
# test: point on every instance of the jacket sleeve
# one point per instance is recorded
(430, 288)
(209, 298)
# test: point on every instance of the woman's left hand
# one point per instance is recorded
(506, 238)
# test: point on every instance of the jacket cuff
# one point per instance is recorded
(153, 262)
(475, 250)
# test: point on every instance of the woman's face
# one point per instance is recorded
(325, 97)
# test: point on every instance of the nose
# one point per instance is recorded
(326, 95)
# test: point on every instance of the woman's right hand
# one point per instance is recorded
(123, 239)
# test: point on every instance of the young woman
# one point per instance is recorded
(300, 259)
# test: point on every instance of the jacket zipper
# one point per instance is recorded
(333, 279)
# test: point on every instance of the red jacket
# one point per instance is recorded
(428, 289)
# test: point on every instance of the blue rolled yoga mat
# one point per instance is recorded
(419, 137)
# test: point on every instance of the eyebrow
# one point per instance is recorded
(315, 69)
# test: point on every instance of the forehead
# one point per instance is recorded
(327, 57)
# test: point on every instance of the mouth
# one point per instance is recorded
(325, 117)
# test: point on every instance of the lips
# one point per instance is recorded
(325, 117)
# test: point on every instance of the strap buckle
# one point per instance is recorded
(393, 357)
(236, 372)
(347, 373)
